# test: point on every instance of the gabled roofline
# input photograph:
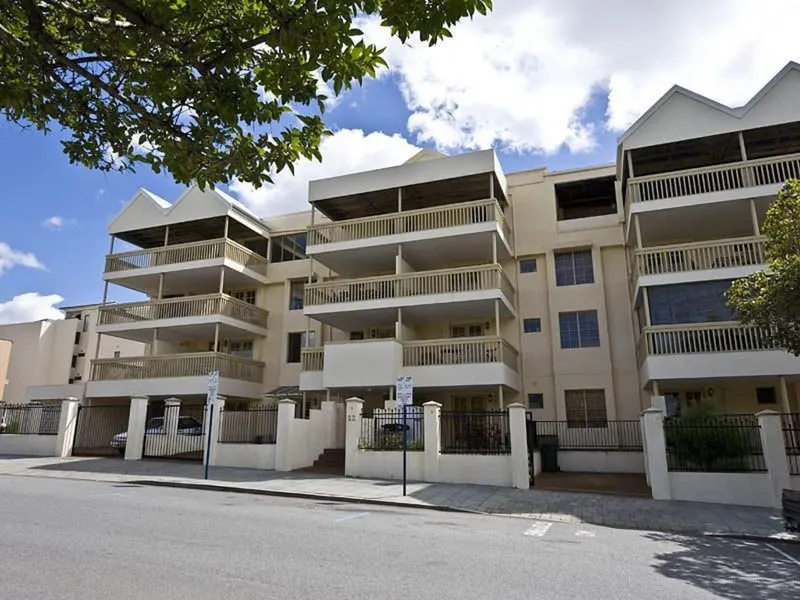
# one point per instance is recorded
(737, 112)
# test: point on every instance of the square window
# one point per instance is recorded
(527, 265)
(295, 344)
(535, 400)
(574, 268)
(586, 408)
(532, 325)
(766, 395)
(579, 329)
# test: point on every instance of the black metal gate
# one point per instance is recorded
(533, 444)
(174, 432)
(101, 430)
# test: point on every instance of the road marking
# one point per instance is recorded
(538, 529)
(584, 533)
(355, 516)
(782, 553)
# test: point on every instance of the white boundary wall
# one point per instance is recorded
(27, 444)
(750, 489)
(246, 456)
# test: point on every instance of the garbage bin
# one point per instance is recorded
(548, 450)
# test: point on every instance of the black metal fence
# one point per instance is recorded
(484, 432)
(31, 419)
(383, 429)
(257, 425)
(175, 432)
(605, 435)
(791, 437)
(722, 444)
(101, 430)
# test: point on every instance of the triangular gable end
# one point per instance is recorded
(423, 155)
(142, 208)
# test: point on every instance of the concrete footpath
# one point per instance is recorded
(604, 510)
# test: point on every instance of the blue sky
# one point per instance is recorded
(541, 82)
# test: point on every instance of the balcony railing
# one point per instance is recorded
(313, 359)
(194, 364)
(704, 338)
(444, 281)
(182, 253)
(189, 306)
(700, 256)
(718, 178)
(428, 219)
(459, 351)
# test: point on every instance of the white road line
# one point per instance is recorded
(584, 533)
(538, 529)
(355, 516)
(782, 553)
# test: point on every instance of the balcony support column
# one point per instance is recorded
(629, 158)
(166, 235)
(638, 229)
(216, 337)
(399, 199)
(742, 147)
(500, 397)
(783, 394)
(646, 303)
(154, 342)
(398, 330)
(754, 217)
(494, 249)
(497, 317)
(221, 280)
(491, 186)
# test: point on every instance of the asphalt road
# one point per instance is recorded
(64, 540)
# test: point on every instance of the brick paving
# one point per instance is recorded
(604, 510)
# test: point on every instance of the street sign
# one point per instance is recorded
(404, 388)
(213, 385)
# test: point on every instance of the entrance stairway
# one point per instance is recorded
(330, 462)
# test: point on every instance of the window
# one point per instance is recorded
(356, 335)
(241, 349)
(701, 302)
(532, 325)
(693, 397)
(527, 265)
(116, 354)
(248, 296)
(586, 408)
(77, 337)
(74, 361)
(586, 198)
(535, 400)
(574, 268)
(579, 329)
(766, 395)
(466, 331)
(296, 342)
(296, 294)
(288, 247)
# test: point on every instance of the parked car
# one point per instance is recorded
(155, 426)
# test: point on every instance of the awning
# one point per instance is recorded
(287, 391)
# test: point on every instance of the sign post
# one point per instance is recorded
(211, 398)
(404, 395)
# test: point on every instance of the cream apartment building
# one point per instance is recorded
(49, 360)
(580, 294)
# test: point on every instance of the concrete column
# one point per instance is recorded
(783, 393)
(340, 425)
(137, 422)
(774, 450)
(66, 427)
(355, 406)
(433, 439)
(656, 457)
(172, 410)
(283, 437)
(659, 402)
(644, 449)
(520, 477)
(212, 429)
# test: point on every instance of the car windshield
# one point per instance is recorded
(188, 423)
(155, 423)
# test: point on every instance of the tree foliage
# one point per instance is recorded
(771, 298)
(205, 89)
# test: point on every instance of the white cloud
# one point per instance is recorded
(10, 258)
(55, 222)
(522, 76)
(30, 307)
(346, 151)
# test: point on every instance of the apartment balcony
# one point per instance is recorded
(731, 181)
(463, 233)
(709, 350)
(698, 261)
(454, 362)
(192, 266)
(428, 296)
(183, 319)
(175, 375)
